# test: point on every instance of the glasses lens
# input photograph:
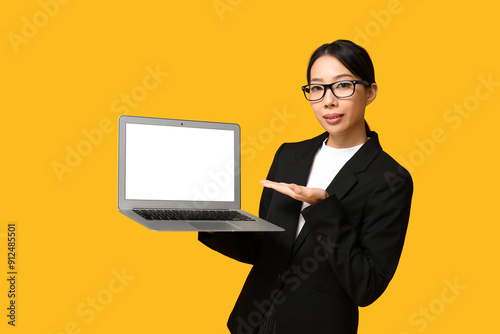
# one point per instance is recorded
(343, 88)
(315, 92)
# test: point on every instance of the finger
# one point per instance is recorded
(293, 190)
(280, 187)
(296, 188)
(274, 185)
(298, 192)
(267, 183)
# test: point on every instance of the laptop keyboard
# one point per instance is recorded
(158, 214)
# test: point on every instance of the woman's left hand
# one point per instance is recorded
(300, 193)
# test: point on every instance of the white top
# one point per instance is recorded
(327, 163)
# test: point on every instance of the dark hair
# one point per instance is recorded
(352, 56)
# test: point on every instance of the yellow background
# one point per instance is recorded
(244, 63)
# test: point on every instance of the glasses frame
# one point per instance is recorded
(330, 86)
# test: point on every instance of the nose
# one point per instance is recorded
(329, 99)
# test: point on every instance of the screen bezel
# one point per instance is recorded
(124, 203)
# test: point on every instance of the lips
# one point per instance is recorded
(333, 118)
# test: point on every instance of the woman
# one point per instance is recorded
(344, 204)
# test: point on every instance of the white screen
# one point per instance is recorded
(178, 163)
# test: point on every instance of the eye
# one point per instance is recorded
(316, 88)
(344, 85)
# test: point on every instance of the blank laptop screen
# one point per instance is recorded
(178, 163)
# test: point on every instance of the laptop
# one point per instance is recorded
(182, 175)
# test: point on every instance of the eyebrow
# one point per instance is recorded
(336, 77)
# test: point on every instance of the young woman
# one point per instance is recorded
(344, 204)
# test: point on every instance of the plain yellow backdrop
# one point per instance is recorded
(68, 69)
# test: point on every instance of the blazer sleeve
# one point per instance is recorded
(242, 246)
(267, 193)
(365, 259)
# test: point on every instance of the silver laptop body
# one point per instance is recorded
(172, 173)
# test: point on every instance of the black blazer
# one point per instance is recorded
(344, 256)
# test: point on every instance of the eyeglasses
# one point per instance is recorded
(341, 89)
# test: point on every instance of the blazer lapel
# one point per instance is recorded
(342, 183)
(304, 159)
(299, 174)
(345, 179)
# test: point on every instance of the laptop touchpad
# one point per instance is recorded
(214, 226)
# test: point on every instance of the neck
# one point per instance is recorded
(346, 140)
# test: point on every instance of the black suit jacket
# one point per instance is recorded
(344, 256)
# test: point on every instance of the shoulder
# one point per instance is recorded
(372, 155)
(386, 162)
(372, 163)
(384, 170)
(391, 173)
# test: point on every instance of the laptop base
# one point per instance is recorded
(257, 225)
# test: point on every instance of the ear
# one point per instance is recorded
(371, 93)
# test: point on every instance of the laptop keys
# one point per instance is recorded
(159, 214)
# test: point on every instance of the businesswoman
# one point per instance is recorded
(344, 204)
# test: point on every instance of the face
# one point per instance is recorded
(342, 118)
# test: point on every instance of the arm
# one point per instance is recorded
(267, 194)
(242, 246)
(364, 263)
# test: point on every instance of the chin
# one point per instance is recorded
(335, 129)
